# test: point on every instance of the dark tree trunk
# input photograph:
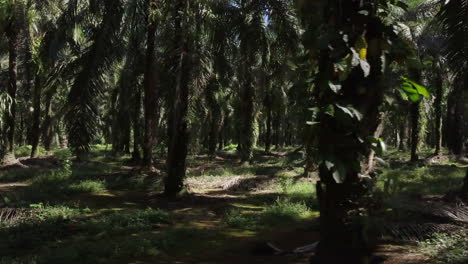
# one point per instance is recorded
(215, 117)
(403, 130)
(340, 190)
(151, 99)
(415, 130)
(178, 137)
(277, 131)
(136, 156)
(459, 123)
(36, 117)
(47, 130)
(247, 116)
(268, 123)
(438, 113)
(13, 44)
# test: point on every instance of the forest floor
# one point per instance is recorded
(53, 210)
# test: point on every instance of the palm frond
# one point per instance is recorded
(82, 115)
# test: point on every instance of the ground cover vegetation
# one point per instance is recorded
(230, 131)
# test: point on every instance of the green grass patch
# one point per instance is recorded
(68, 235)
(434, 179)
(447, 248)
(282, 212)
(25, 151)
(87, 186)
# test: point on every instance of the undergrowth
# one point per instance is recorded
(447, 248)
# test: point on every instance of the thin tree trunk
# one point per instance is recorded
(403, 130)
(150, 89)
(268, 122)
(47, 129)
(414, 130)
(214, 117)
(438, 113)
(36, 117)
(458, 136)
(178, 122)
(136, 156)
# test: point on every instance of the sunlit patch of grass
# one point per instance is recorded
(420, 180)
(25, 151)
(87, 186)
(232, 147)
(281, 212)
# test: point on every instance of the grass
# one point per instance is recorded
(25, 151)
(447, 248)
(282, 212)
(433, 179)
(69, 235)
(63, 232)
(87, 186)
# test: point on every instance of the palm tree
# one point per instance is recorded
(346, 117)
(151, 100)
(178, 122)
(453, 18)
(12, 32)
(83, 113)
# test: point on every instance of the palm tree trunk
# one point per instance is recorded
(268, 107)
(343, 237)
(178, 120)
(415, 130)
(150, 89)
(214, 117)
(403, 130)
(438, 113)
(48, 125)
(459, 137)
(13, 44)
(136, 156)
(36, 117)
(247, 116)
